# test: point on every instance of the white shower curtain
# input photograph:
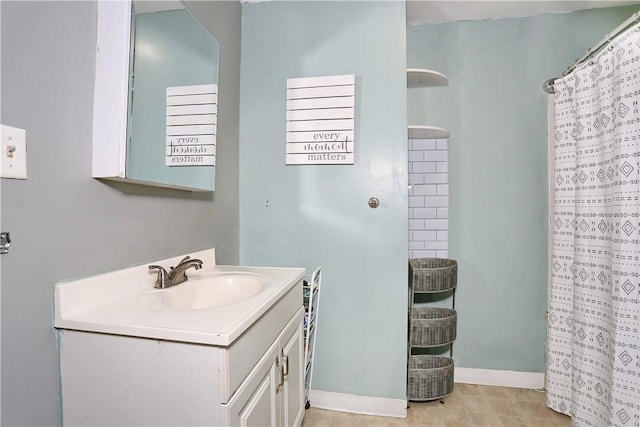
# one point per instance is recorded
(593, 321)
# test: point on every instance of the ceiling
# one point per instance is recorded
(432, 12)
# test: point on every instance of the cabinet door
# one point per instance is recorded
(273, 393)
(291, 345)
(256, 401)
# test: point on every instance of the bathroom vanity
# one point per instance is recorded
(129, 357)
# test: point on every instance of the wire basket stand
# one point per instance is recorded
(430, 377)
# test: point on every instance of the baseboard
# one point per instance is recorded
(530, 380)
(397, 408)
(381, 406)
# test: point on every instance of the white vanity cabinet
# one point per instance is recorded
(122, 364)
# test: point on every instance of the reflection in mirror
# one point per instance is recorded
(173, 97)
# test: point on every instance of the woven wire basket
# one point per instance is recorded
(433, 274)
(432, 326)
(430, 377)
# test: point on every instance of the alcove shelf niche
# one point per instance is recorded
(420, 77)
(423, 78)
(427, 132)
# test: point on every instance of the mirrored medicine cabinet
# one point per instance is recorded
(155, 97)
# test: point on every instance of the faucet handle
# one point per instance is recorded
(183, 260)
(162, 278)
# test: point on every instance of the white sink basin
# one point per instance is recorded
(214, 290)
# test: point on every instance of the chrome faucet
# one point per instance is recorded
(176, 274)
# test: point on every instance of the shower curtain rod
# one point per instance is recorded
(548, 85)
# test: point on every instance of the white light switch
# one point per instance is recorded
(13, 146)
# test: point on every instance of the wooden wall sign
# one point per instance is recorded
(320, 120)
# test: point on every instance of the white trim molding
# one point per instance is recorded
(530, 380)
(397, 408)
(380, 406)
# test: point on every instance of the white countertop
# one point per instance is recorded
(122, 303)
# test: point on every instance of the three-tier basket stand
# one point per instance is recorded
(430, 375)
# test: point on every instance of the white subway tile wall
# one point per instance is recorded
(428, 198)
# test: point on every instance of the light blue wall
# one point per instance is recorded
(311, 216)
(495, 111)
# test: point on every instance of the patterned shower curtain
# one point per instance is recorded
(593, 321)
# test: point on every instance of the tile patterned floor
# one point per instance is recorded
(468, 405)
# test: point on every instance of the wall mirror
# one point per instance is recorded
(155, 101)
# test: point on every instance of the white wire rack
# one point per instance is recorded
(311, 305)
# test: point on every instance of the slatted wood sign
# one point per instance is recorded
(192, 116)
(320, 120)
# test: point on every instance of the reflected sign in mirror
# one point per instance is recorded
(172, 122)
